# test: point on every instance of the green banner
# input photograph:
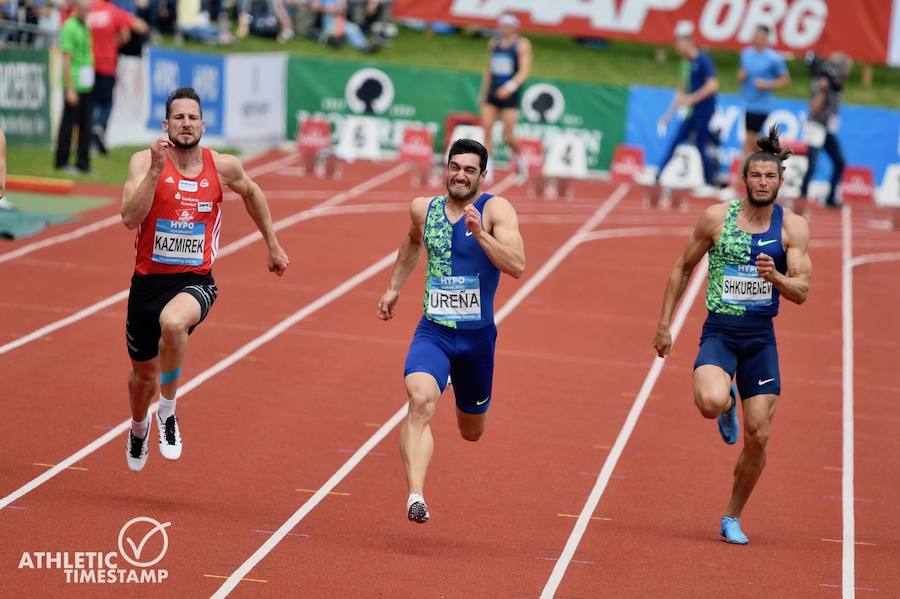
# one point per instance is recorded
(25, 95)
(398, 97)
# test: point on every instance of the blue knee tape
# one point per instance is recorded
(168, 377)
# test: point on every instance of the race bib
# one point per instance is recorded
(502, 65)
(742, 286)
(454, 298)
(86, 76)
(814, 134)
(178, 242)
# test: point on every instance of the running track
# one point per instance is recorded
(272, 423)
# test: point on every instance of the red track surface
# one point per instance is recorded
(570, 361)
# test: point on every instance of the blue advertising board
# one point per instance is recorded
(171, 69)
(869, 136)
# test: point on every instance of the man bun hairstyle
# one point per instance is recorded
(770, 150)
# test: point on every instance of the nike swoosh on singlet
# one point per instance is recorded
(761, 243)
(763, 382)
(468, 233)
(483, 401)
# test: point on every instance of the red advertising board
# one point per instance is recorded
(860, 28)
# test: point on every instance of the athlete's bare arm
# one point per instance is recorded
(144, 170)
(794, 285)
(486, 78)
(701, 239)
(497, 232)
(233, 175)
(407, 257)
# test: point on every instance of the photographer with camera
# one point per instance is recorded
(821, 127)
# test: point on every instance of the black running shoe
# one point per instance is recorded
(418, 512)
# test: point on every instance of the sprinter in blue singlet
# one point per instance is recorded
(507, 70)
(757, 253)
(470, 238)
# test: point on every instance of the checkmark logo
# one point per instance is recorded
(137, 526)
(483, 401)
(763, 242)
(468, 233)
(762, 382)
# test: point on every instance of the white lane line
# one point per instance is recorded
(848, 561)
(207, 374)
(107, 222)
(612, 459)
(232, 247)
(62, 238)
(872, 258)
(637, 232)
(398, 416)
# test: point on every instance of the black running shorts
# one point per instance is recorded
(148, 296)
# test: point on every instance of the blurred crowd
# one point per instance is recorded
(361, 24)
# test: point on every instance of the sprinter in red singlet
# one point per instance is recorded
(172, 196)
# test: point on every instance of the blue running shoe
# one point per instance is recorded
(731, 530)
(728, 420)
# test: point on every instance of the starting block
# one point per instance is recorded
(313, 142)
(417, 149)
(566, 161)
(889, 193)
(358, 139)
(531, 151)
(683, 173)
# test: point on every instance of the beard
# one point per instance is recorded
(763, 202)
(181, 144)
(460, 196)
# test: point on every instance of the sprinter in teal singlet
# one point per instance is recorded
(470, 238)
(757, 253)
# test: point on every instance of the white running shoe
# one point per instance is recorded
(136, 450)
(169, 437)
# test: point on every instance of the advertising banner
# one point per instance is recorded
(25, 95)
(255, 98)
(867, 30)
(402, 97)
(869, 136)
(171, 69)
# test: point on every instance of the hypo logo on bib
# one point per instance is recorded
(742, 285)
(454, 298)
(178, 242)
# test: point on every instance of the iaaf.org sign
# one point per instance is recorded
(142, 543)
(795, 25)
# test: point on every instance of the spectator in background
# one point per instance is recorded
(337, 29)
(193, 22)
(697, 94)
(508, 68)
(110, 28)
(824, 102)
(762, 70)
(264, 18)
(305, 18)
(78, 83)
(373, 16)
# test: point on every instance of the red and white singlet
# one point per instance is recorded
(181, 232)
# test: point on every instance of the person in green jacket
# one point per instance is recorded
(78, 83)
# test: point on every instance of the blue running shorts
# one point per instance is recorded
(466, 355)
(745, 348)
